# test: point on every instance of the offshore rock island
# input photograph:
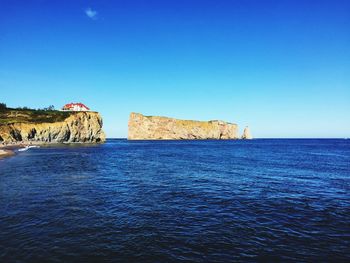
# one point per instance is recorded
(33, 126)
(163, 128)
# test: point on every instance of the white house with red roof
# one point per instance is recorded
(75, 107)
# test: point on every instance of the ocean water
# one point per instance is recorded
(172, 201)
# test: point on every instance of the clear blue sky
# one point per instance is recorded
(281, 67)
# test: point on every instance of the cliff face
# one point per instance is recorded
(78, 127)
(162, 128)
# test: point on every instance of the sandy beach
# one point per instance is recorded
(8, 149)
(6, 153)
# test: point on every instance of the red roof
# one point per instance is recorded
(71, 105)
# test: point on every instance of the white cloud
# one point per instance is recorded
(91, 13)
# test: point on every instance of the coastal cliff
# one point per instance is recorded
(85, 127)
(163, 128)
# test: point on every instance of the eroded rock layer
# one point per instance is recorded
(78, 127)
(163, 128)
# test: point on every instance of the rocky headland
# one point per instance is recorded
(142, 127)
(72, 127)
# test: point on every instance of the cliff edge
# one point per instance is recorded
(84, 127)
(163, 128)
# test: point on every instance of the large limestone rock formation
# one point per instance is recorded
(78, 127)
(246, 134)
(162, 128)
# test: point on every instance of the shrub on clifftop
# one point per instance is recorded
(3, 106)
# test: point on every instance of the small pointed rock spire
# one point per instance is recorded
(246, 134)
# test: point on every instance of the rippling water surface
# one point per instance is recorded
(266, 200)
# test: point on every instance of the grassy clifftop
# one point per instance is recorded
(9, 115)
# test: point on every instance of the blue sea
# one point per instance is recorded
(267, 200)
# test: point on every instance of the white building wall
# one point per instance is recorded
(77, 108)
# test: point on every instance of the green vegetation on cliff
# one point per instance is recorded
(25, 115)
